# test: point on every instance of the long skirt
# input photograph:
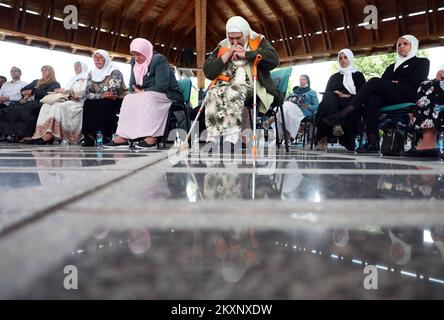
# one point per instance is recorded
(143, 115)
(63, 120)
(100, 115)
(430, 99)
(293, 117)
(19, 119)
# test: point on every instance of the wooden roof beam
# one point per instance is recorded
(302, 25)
(165, 12)
(121, 14)
(325, 25)
(375, 33)
(279, 15)
(185, 14)
(258, 16)
(147, 9)
(346, 19)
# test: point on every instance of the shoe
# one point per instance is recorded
(334, 120)
(42, 142)
(321, 147)
(426, 153)
(88, 142)
(143, 145)
(337, 131)
(368, 148)
(115, 145)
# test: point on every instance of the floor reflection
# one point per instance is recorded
(310, 187)
(210, 264)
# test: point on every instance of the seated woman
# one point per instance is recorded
(63, 120)
(153, 87)
(341, 88)
(398, 84)
(19, 120)
(104, 95)
(429, 118)
(302, 103)
(230, 68)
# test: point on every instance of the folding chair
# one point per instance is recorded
(185, 86)
(282, 78)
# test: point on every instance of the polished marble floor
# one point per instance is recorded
(192, 225)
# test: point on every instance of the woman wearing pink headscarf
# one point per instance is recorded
(153, 87)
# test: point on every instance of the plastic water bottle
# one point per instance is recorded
(99, 139)
(357, 142)
(441, 142)
(64, 143)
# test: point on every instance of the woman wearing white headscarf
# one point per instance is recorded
(105, 91)
(398, 84)
(341, 88)
(230, 68)
(429, 117)
(63, 120)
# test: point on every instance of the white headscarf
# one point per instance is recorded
(239, 24)
(413, 52)
(343, 241)
(98, 75)
(82, 75)
(407, 256)
(349, 84)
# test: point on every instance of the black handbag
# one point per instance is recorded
(392, 143)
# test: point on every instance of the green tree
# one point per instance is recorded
(374, 66)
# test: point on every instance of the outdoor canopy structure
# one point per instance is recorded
(185, 31)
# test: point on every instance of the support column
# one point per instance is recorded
(201, 30)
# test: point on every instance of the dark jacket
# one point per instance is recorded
(42, 91)
(160, 78)
(410, 75)
(214, 66)
(336, 82)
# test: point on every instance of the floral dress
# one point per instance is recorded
(430, 102)
(224, 104)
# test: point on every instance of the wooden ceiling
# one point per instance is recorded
(301, 30)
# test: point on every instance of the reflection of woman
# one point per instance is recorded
(341, 88)
(20, 119)
(238, 252)
(104, 94)
(341, 237)
(63, 120)
(400, 251)
(140, 240)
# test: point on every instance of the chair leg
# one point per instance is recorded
(166, 133)
(284, 128)
(304, 136)
(312, 134)
(278, 144)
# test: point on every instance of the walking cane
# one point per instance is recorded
(184, 144)
(255, 63)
